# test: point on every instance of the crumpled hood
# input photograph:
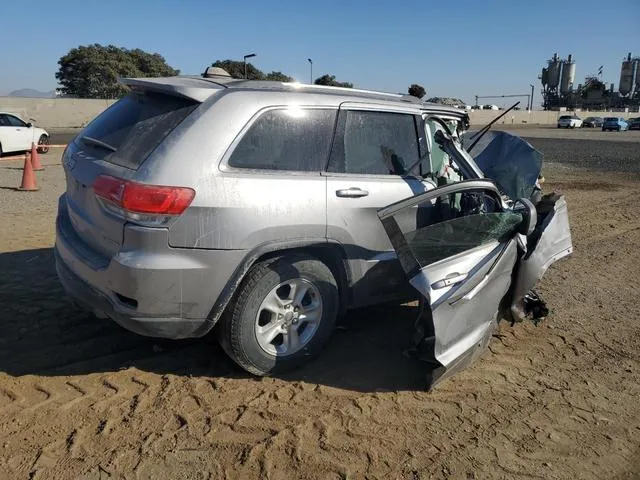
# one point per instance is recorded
(508, 160)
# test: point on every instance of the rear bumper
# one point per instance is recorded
(102, 306)
(147, 287)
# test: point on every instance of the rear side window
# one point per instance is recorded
(293, 139)
(375, 143)
(134, 126)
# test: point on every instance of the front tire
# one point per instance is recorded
(43, 144)
(281, 316)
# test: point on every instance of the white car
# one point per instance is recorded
(569, 121)
(17, 135)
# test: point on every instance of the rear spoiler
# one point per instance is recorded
(193, 88)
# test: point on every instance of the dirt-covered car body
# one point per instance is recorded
(478, 246)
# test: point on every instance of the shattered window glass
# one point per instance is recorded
(452, 224)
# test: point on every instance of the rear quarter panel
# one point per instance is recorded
(237, 209)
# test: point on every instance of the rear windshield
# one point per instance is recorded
(565, 117)
(611, 119)
(128, 131)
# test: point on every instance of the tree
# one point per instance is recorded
(236, 69)
(416, 90)
(92, 71)
(331, 81)
(278, 77)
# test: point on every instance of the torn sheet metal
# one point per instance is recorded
(550, 241)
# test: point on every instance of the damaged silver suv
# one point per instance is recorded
(271, 208)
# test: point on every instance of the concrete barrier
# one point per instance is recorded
(55, 113)
(71, 113)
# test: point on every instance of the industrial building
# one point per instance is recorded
(560, 92)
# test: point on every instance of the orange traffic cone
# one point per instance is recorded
(35, 158)
(28, 177)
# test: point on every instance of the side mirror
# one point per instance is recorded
(529, 214)
(29, 124)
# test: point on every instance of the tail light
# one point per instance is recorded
(141, 202)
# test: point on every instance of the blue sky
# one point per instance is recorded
(453, 48)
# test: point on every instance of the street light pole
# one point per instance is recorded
(531, 107)
(251, 55)
(311, 70)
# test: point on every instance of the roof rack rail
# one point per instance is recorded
(356, 90)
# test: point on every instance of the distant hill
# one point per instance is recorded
(31, 93)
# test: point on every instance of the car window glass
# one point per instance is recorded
(15, 121)
(439, 158)
(452, 224)
(375, 143)
(3, 121)
(135, 125)
(291, 139)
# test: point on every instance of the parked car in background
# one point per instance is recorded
(569, 121)
(614, 123)
(303, 207)
(593, 122)
(16, 135)
(634, 123)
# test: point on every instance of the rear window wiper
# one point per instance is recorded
(98, 143)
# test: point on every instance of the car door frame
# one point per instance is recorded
(450, 347)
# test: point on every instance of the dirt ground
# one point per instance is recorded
(82, 398)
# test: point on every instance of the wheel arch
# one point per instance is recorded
(332, 254)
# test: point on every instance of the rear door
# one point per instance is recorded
(115, 144)
(7, 134)
(21, 134)
(460, 258)
(371, 151)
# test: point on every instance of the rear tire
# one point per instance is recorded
(266, 332)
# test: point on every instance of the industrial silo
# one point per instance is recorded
(568, 75)
(553, 71)
(626, 76)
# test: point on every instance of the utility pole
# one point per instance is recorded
(531, 106)
(251, 55)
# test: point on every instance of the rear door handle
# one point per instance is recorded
(353, 192)
(449, 280)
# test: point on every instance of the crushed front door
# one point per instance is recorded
(461, 260)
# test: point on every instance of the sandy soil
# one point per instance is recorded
(83, 398)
